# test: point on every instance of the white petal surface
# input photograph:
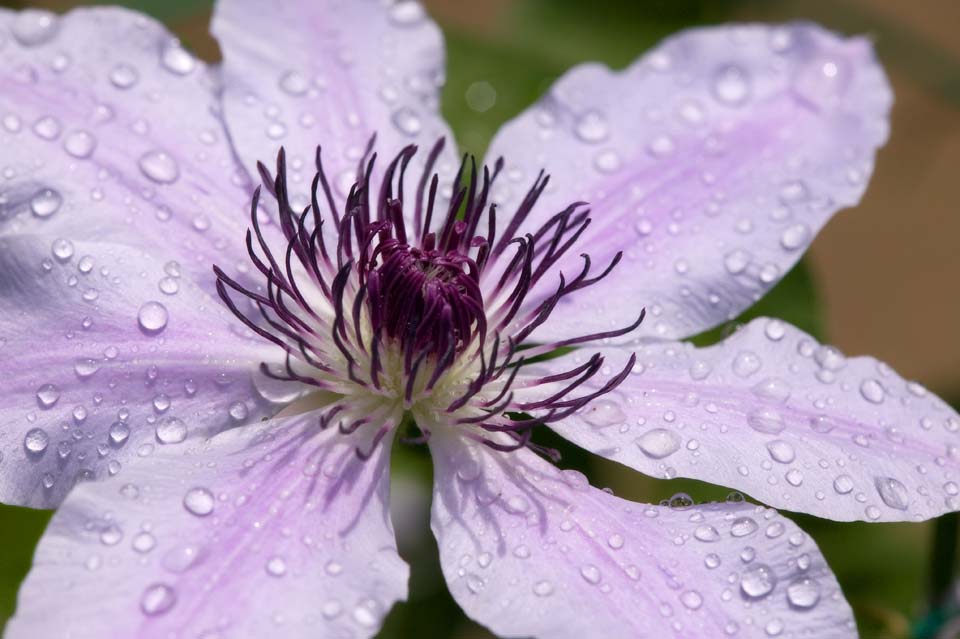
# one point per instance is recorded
(107, 354)
(771, 412)
(711, 163)
(332, 73)
(276, 530)
(109, 130)
(529, 550)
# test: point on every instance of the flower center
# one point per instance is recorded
(393, 309)
(426, 300)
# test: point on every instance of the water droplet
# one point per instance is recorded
(294, 83)
(795, 236)
(85, 367)
(276, 567)
(143, 542)
(543, 588)
(36, 441)
(171, 430)
(367, 613)
(47, 128)
(47, 395)
(168, 286)
(590, 574)
(746, 363)
(80, 144)
(691, 599)
(238, 411)
(765, 420)
(736, 261)
(772, 388)
(706, 533)
(843, 484)
(124, 76)
(152, 318)
(803, 593)
(872, 391)
(199, 501)
(758, 581)
(794, 477)
(407, 121)
(743, 526)
(731, 85)
(604, 413)
(45, 203)
(615, 541)
(33, 27)
(176, 59)
(822, 81)
(157, 599)
(406, 14)
(892, 492)
(111, 535)
(781, 451)
(591, 127)
(658, 443)
(62, 249)
(159, 166)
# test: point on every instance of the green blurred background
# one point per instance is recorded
(880, 284)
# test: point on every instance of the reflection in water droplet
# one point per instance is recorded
(152, 318)
(758, 581)
(45, 203)
(159, 167)
(198, 501)
(32, 27)
(36, 441)
(157, 599)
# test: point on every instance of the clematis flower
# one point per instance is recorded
(205, 377)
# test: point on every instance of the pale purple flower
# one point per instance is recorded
(358, 302)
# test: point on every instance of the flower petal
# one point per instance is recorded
(711, 163)
(273, 530)
(528, 549)
(773, 413)
(331, 73)
(109, 132)
(107, 353)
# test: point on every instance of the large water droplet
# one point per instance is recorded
(47, 127)
(159, 166)
(407, 121)
(758, 581)
(276, 567)
(36, 441)
(199, 501)
(80, 144)
(406, 14)
(604, 413)
(47, 395)
(45, 203)
(32, 27)
(843, 484)
(765, 420)
(659, 443)
(152, 318)
(803, 593)
(157, 599)
(176, 59)
(872, 391)
(543, 588)
(781, 451)
(892, 492)
(171, 430)
(743, 526)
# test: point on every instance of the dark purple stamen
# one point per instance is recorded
(444, 291)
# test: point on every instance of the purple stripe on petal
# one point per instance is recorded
(332, 73)
(109, 131)
(771, 412)
(275, 530)
(108, 355)
(711, 162)
(530, 550)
